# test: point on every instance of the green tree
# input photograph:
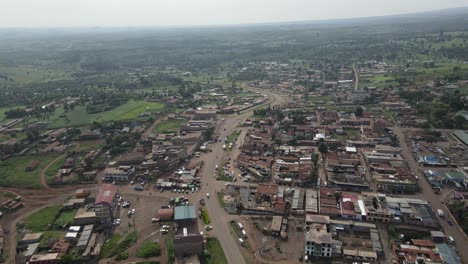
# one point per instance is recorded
(359, 111)
(323, 148)
(459, 121)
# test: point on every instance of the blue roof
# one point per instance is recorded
(184, 212)
(448, 254)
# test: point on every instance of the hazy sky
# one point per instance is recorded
(64, 13)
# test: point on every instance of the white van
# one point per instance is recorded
(241, 227)
(241, 241)
(244, 233)
(451, 239)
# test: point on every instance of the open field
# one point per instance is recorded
(65, 218)
(30, 73)
(51, 172)
(170, 125)
(324, 98)
(14, 174)
(79, 117)
(40, 220)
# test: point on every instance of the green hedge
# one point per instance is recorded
(205, 216)
(149, 249)
(122, 256)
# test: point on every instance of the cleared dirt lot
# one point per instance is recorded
(271, 249)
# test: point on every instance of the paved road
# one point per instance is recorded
(219, 218)
(434, 199)
(356, 75)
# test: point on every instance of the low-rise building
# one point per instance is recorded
(319, 240)
(191, 244)
(121, 173)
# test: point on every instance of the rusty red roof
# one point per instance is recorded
(106, 194)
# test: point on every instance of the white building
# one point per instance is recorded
(121, 173)
(318, 237)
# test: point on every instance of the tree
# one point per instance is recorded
(88, 161)
(322, 148)
(208, 133)
(459, 121)
(359, 111)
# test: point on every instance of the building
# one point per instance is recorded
(31, 238)
(84, 217)
(184, 213)
(417, 252)
(319, 240)
(461, 136)
(191, 244)
(121, 173)
(49, 258)
(31, 250)
(106, 203)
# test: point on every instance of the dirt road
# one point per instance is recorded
(434, 199)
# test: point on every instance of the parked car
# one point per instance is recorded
(451, 239)
(154, 220)
(208, 227)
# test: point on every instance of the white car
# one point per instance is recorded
(133, 211)
(208, 195)
(208, 227)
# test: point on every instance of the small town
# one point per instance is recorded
(311, 156)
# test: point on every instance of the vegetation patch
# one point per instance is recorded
(50, 237)
(122, 256)
(14, 173)
(40, 220)
(149, 249)
(458, 210)
(123, 245)
(170, 250)
(64, 219)
(236, 229)
(78, 116)
(222, 176)
(110, 244)
(169, 126)
(51, 172)
(215, 253)
(205, 216)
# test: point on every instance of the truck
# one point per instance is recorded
(244, 234)
(440, 212)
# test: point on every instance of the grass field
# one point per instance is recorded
(216, 253)
(51, 172)
(170, 125)
(79, 117)
(65, 218)
(40, 220)
(13, 171)
(50, 234)
(324, 98)
(28, 74)
(90, 145)
(110, 244)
